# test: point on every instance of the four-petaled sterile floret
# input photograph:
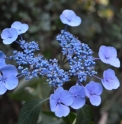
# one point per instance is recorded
(59, 102)
(93, 91)
(70, 18)
(108, 55)
(9, 35)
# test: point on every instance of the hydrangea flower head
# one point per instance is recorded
(20, 27)
(59, 102)
(8, 79)
(9, 35)
(78, 93)
(93, 91)
(108, 55)
(110, 81)
(70, 18)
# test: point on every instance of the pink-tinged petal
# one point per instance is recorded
(77, 90)
(66, 97)
(9, 70)
(62, 110)
(114, 62)
(3, 89)
(57, 93)
(11, 82)
(53, 103)
(95, 100)
(78, 102)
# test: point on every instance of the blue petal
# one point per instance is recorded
(57, 93)
(111, 84)
(78, 102)
(2, 59)
(70, 18)
(77, 90)
(9, 70)
(53, 103)
(9, 36)
(66, 97)
(11, 82)
(24, 28)
(5, 33)
(114, 62)
(62, 110)
(21, 28)
(94, 87)
(3, 89)
(95, 100)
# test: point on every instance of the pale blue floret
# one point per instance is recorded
(108, 55)
(78, 94)
(70, 18)
(9, 35)
(20, 27)
(93, 91)
(110, 81)
(59, 102)
(8, 79)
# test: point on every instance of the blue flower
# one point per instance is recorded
(70, 18)
(9, 35)
(110, 81)
(2, 59)
(8, 79)
(93, 91)
(108, 55)
(20, 27)
(78, 94)
(59, 102)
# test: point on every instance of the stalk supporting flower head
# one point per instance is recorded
(70, 18)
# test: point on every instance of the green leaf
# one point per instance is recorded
(70, 118)
(30, 112)
(84, 115)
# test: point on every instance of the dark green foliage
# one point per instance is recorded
(84, 115)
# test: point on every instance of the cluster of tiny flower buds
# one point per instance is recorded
(77, 54)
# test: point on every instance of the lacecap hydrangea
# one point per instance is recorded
(76, 53)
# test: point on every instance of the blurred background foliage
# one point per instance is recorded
(101, 25)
